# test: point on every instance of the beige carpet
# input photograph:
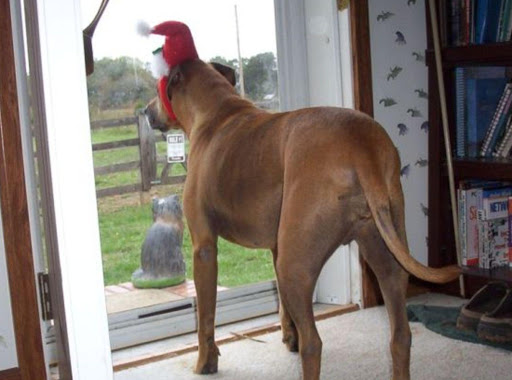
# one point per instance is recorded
(355, 348)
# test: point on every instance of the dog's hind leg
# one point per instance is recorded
(205, 279)
(290, 337)
(393, 280)
(302, 251)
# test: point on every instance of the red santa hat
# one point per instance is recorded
(178, 48)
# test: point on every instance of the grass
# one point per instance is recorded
(123, 231)
(124, 221)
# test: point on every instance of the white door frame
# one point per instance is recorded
(66, 116)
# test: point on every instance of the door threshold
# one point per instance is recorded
(249, 329)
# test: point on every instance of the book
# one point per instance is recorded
(505, 142)
(470, 197)
(508, 12)
(493, 227)
(506, 146)
(460, 121)
(497, 122)
(493, 242)
(501, 21)
(495, 207)
(510, 231)
(476, 21)
(505, 21)
(488, 15)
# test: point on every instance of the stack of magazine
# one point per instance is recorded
(485, 220)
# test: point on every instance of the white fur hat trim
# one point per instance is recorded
(159, 67)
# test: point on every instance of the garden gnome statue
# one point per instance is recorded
(162, 263)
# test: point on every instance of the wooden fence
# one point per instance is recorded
(147, 162)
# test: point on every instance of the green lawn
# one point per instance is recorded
(123, 225)
(123, 231)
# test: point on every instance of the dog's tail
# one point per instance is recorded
(380, 207)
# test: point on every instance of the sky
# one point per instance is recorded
(212, 23)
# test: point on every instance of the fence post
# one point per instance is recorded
(147, 151)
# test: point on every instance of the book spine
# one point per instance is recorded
(494, 121)
(506, 20)
(473, 199)
(507, 144)
(500, 126)
(509, 20)
(460, 114)
(501, 21)
(481, 20)
(510, 231)
(483, 250)
(507, 135)
(455, 22)
(463, 225)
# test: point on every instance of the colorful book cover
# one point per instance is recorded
(475, 193)
(493, 243)
(495, 207)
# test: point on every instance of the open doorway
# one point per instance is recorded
(130, 162)
(78, 246)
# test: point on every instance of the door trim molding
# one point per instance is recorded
(15, 217)
(363, 101)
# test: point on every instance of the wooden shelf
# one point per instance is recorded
(498, 54)
(483, 168)
(496, 274)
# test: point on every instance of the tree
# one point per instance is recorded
(260, 74)
(120, 83)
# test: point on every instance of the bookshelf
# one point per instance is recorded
(441, 247)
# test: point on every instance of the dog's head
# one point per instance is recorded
(179, 78)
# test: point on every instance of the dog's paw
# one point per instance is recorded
(208, 362)
(206, 369)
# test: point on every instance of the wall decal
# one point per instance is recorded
(414, 112)
(421, 162)
(421, 93)
(393, 72)
(424, 209)
(383, 16)
(419, 57)
(387, 102)
(404, 172)
(400, 38)
(402, 129)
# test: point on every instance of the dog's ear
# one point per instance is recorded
(175, 78)
(226, 71)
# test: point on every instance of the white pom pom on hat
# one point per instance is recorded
(143, 28)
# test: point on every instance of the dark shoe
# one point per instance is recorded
(496, 326)
(484, 301)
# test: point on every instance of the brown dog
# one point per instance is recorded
(300, 183)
